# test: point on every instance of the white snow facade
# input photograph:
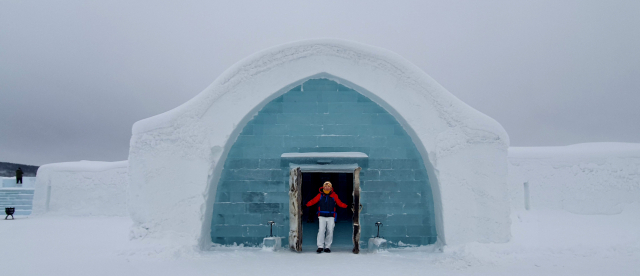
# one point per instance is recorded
(586, 179)
(85, 188)
(434, 165)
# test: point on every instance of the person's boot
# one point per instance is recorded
(326, 250)
(319, 250)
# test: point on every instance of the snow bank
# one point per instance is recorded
(175, 158)
(82, 188)
(544, 243)
(592, 178)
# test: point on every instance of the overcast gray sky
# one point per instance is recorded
(76, 75)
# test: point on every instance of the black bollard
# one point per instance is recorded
(378, 224)
(271, 223)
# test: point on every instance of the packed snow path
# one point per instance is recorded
(543, 243)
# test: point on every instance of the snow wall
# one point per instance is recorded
(175, 158)
(589, 179)
(85, 188)
(10, 182)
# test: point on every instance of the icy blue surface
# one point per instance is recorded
(323, 116)
(27, 182)
(19, 198)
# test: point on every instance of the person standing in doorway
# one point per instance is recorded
(19, 174)
(327, 201)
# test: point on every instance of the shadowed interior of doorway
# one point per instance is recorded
(343, 231)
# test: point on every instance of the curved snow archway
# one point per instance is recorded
(322, 115)
(176, 157)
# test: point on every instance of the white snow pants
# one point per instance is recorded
(326, 227)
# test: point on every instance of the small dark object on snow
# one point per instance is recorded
(319, 250)
(271, 223)
(9, 211)
(327, 250)
(379, 224)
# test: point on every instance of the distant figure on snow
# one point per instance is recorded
(327, 201)
(19, 174)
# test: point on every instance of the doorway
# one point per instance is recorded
(343, 187)
(304, 186)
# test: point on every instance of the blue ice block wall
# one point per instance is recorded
(323, 116)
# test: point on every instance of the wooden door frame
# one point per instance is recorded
(356, 207)
(295, 201)
(295, 209)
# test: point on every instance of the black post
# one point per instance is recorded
(271, 223)
(378, 224)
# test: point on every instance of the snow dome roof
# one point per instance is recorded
(326, 56)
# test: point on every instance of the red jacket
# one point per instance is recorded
(331, 194)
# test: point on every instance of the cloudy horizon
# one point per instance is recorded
(76, 75)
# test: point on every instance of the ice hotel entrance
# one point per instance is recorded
(305, 182)
(323, 128)
(435, 169)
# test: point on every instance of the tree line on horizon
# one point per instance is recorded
(9, 169)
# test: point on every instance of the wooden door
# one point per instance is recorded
(356, 207)
(295, 209)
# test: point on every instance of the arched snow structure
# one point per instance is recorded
(323, 118)
(177, 158)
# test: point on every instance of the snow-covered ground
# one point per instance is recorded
(543, 243)
(583, 219)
